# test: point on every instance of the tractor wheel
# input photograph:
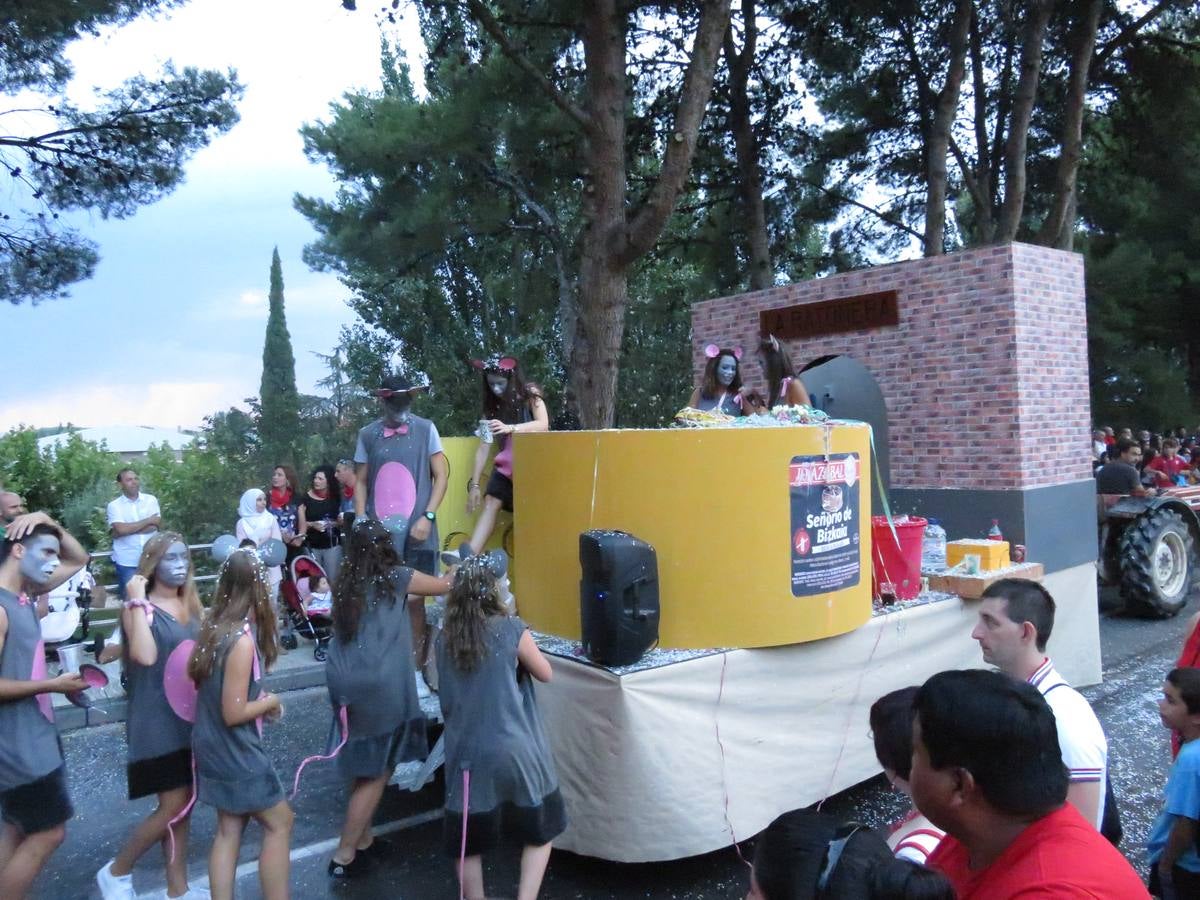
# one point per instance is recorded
(1158, 564)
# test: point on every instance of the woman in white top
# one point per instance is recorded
(258, 525)
(913, 837)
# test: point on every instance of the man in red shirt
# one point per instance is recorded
(987, 769)
(1169, 465)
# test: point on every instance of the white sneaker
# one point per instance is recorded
(197, 893)
(422, 687)
(114, 887)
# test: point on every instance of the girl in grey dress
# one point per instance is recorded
(370, 679)
(160, 624)
(233, 771)
(500, 775)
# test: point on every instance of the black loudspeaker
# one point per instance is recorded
(618, 597)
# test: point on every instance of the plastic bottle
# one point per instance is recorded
(933, 547)
(994, 533)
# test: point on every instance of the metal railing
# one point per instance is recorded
(107, 554)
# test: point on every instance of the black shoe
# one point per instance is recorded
(378, 848)
(352, 869)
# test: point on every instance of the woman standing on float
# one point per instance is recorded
(721, 389)
(510, 405)
(784, 388)
(160, 622)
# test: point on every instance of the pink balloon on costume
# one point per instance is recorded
(395, 491)
(179, 688)
(38, 673)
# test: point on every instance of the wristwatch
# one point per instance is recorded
(430, 515)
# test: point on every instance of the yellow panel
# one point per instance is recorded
(454, 525)
(715, 505)
(992, 555)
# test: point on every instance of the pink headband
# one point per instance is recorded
(712, 351)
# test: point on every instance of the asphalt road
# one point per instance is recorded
(1136, 653)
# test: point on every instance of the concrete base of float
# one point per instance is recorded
(646, 778)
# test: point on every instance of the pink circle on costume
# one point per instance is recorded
(395, 491)
(179, 688)
(38, 673)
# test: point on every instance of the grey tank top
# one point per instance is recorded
(152, 729)
(372, 674)
(29, 745)
(398, 477)
(726, 402)
(223, 753)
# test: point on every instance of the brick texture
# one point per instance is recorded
(985, 377)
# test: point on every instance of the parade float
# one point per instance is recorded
(953, 386)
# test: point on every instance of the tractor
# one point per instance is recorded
(1148, 548)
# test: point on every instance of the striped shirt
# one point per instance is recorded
(1080, 737)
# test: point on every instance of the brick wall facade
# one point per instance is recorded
(985, 377)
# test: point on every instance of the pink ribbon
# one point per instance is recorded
(145, 605)
(391, 432)
(183, 813)
(462, 853)
(23, 599)
(343, 718)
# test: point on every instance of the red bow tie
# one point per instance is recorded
(389, 432)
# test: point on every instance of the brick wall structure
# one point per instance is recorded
(985, 377)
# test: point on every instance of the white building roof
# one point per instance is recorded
(124, 438)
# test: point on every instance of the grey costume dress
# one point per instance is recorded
(372, 676)
(399, 484)
(160, 743)
(494, 731)
(728, 403)
(233, 772)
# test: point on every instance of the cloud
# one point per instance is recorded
(168, 404)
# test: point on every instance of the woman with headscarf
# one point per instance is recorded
(257, 524)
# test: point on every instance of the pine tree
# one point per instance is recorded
(279, 418)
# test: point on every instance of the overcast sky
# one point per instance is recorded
(171, 327)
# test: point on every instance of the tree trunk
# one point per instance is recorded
(939, 132)
(1059, 228)
(1022, 113)
(614, 238)
(750, 185)
(982, 181)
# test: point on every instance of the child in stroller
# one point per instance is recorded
(311, 620)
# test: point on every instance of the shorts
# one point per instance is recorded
(39, 805)
(159, 773)
(419, 557)
(500, 486)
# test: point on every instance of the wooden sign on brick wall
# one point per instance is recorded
(856, 313)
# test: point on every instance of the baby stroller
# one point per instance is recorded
(67, 621)
(296, 591)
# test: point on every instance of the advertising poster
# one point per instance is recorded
(825, 510)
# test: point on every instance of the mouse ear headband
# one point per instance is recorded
(495, 364)
(712, 351)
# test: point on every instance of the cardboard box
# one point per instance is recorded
(992, 555)
(971, 587)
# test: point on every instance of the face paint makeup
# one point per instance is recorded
(40, 559)
(497, 384)
(726, 369)
(395, 408)
(172, 569)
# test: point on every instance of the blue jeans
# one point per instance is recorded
(124, 573)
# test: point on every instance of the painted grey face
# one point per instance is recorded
(395, 408)
(172, 569)
(40, 559)
(726, 369)
(497, 384)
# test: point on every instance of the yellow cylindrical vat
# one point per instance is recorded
(724, 508)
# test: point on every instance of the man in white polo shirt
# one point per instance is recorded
(1015, 620)
(132, 520)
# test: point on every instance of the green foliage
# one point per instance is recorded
(48, 479)
(1140, 195)
(279, 402)
(198, 495)
(84, 514)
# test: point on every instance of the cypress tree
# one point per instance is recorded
(279, 418)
